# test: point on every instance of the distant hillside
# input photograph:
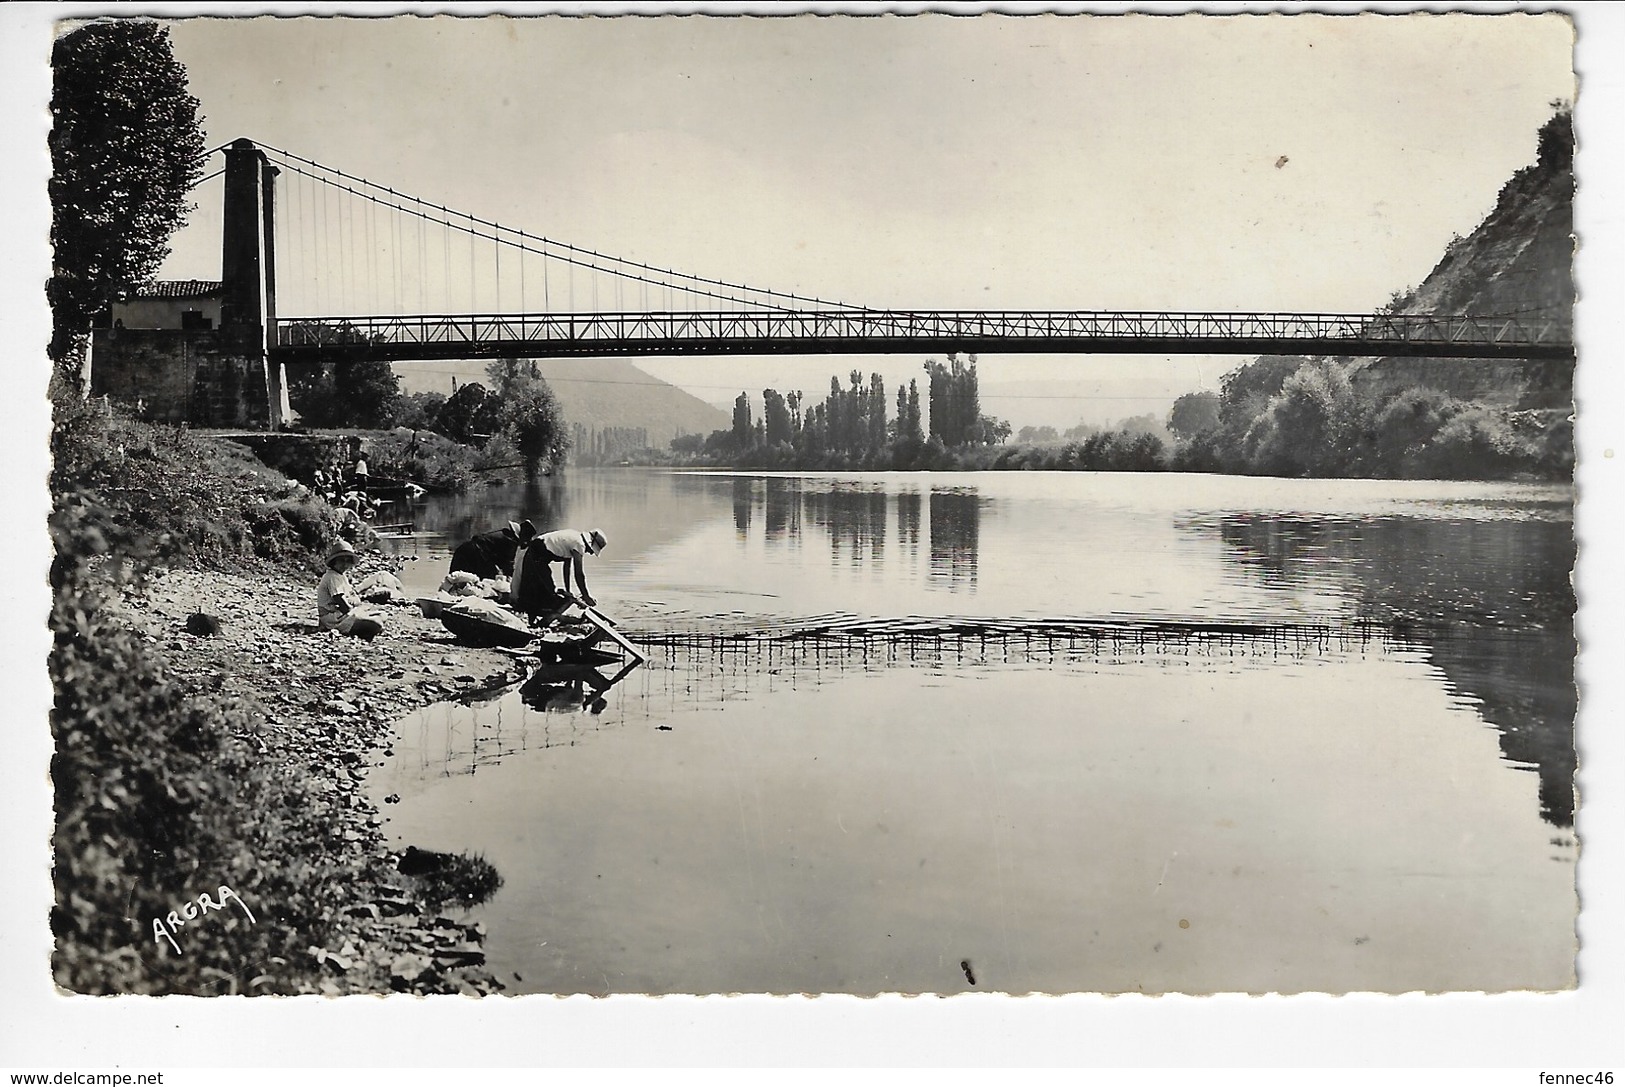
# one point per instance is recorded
(595, 393)
(1518, 262)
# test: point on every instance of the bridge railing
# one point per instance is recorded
(1361, 331)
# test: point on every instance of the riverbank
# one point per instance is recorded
(323, 706)
(197, 763)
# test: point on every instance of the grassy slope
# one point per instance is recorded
(168, 782)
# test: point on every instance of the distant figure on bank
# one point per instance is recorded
(536, 592)
(359, 503)
(338, 606)
(490, 554)
(361, 475)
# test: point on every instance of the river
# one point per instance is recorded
(1027, 732)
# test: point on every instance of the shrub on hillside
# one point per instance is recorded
(191, 496)
(423, 457)
(1402, 429)
(1555, 446)
(161, 797)
(1310, 427)
(301, 524)
(1479, 443)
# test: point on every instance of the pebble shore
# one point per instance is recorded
(326, 704)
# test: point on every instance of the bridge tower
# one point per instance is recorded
(248, 268)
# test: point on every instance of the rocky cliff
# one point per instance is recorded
(1518, 262)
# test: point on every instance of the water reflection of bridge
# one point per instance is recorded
(839, 641)
(729, 658)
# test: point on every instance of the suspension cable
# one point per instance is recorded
(423, 266)
(476, 222)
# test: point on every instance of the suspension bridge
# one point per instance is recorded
(319, 265)
(384, 275)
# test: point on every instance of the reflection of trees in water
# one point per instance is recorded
(781, 507)
(462, 516)
(857, 518)
(1290, 553)
(743, 500)
(1490, 600)
(546, 502)
(908, 521)
(854, 517)
(956, 530)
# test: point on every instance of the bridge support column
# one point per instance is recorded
(248, 270)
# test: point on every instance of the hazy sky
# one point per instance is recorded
(1303, 162)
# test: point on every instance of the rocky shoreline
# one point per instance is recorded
(325, 706)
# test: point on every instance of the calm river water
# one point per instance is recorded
(1028, 732)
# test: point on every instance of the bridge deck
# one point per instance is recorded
(455, 336)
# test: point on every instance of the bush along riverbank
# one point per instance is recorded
(213, 833)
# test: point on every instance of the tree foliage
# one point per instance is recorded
(1192, 414)
(1317, 422)
(956, 407)
(527, 414)
(1307, 429)
(418, 411)
(126, 148)
(362, 393)
(742, 427)
(466, 415)
(776, 418)
(1041, 435)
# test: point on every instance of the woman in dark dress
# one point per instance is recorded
(490, 554)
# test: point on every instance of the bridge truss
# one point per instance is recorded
(862, 331)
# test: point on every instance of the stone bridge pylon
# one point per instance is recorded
(196, 351)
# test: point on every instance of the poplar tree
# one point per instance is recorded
(744, 432)
(126, 148)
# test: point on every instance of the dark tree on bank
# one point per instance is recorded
(466, 414)
(528, 413)
(912, 428)
(776, 418)
(875, 403)
(370, 391)
(361, 394)
(1192, 414)
(126, 148)
(956, 407)
(312, 395)
(744, 432)
(687, 443)
(419, 411)
(364, 393)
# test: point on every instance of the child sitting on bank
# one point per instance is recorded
(338, 606)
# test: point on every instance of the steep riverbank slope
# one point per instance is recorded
(208, 738)
(1429, 417)
(1517, 263)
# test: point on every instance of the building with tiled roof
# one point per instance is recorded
(178, 289)
(173, 303)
